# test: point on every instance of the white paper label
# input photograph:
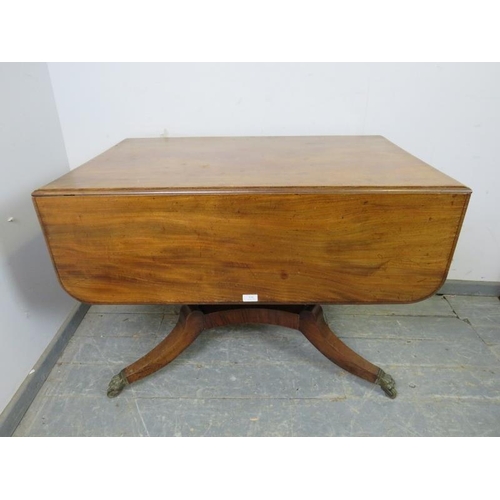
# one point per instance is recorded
(250, 297)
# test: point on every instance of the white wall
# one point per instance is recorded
(32, 304)
(446, 114)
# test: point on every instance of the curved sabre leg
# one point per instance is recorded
(314, 327)
(185, 332)
(310, 321)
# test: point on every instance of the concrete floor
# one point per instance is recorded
(259, 380)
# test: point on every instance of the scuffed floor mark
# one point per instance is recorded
(141, 418)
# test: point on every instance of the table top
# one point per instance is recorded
(252, 164)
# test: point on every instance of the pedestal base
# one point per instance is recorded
(307, 319)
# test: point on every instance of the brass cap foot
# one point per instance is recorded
(387, 383)
(117, 384)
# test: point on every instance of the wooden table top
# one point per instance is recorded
(261, 164)
(290, 220)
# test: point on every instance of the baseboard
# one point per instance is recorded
(19, 404)
(462, 287)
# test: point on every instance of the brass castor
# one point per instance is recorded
(387, 383)
(117, 384)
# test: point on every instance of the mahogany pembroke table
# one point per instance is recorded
(252, 230)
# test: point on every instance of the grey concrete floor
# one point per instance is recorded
(259, 380)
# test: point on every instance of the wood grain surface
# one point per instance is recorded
(364, 247)
(244, 164)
